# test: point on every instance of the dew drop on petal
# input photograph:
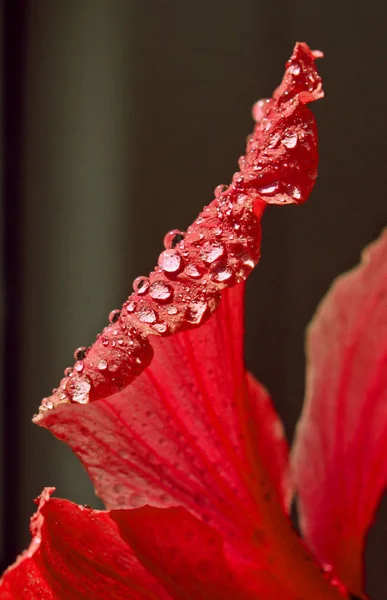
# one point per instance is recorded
(170, 261)
(212, 251)
(173, 238)
(79, 366)
(219, 190)
(105, 341)
(114, 315)
(193, 271)
(141, 285)
(160, 290)
(80, 388)
(102, 365)
(196, 311)
(290, 140)
(130, 307)
(172, 310)
(221, 272)
(68, 371)
(268, 190)
(80, 353)
(294, 192)
(260, 109)
(147, 315)
(160, 327)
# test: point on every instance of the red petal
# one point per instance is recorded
(184, 432)
(77, 554)
(219, 249)
(272, 445)
(188, 556)
(340, 453)
(187, 432)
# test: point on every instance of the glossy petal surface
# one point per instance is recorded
(77, 554)
(339, 458)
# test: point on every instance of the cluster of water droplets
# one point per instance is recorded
(218, 250)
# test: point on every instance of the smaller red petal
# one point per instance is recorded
(188, 556)
(77, 554)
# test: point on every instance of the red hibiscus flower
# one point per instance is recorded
(185, 447)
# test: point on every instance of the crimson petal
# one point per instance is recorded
(188, 431)
(77, 554)
(188, 556)
(339, 458)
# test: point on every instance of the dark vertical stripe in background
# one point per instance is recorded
(119, 119)
(13, 80)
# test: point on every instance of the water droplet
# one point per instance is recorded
(241, 162)
(147, 315)
(294, 192)
(290, 140)
(270, 189)
(260, 109)
(79, 366)
(80, 388)
(170, 261)
(114, 315)
(192, 271)
(160, 327)
(80, 353)
(172, 310)
(218, 232)
(212, 251)
(220, 189)
(221, 272)
(295, 68)
(141, 285)
(173, 238)
(68, 371)
(196, 311)
(131, 306)
(102, 365)
(105, 341)
(160, 290)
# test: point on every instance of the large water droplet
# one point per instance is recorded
(212, 251)
(170, 261)
(260, 109)
(192, 271)
(80, 353)
(160, 291)
(80, 388)
(114, 315)
(220, 189)
(79, 366)
(173, 238)
(141, 285)
(290, 140)
(147, 315)
(269, 190)
(130, 307)
(196, 311)
(102, 365)
(294, 192)
(160, 327)
(172, 310)
(221, 272)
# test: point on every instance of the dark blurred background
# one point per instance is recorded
(119, 119)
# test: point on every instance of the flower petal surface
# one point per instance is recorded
(187, 431)
(77, 554)
(339, 459)
(195, 431)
